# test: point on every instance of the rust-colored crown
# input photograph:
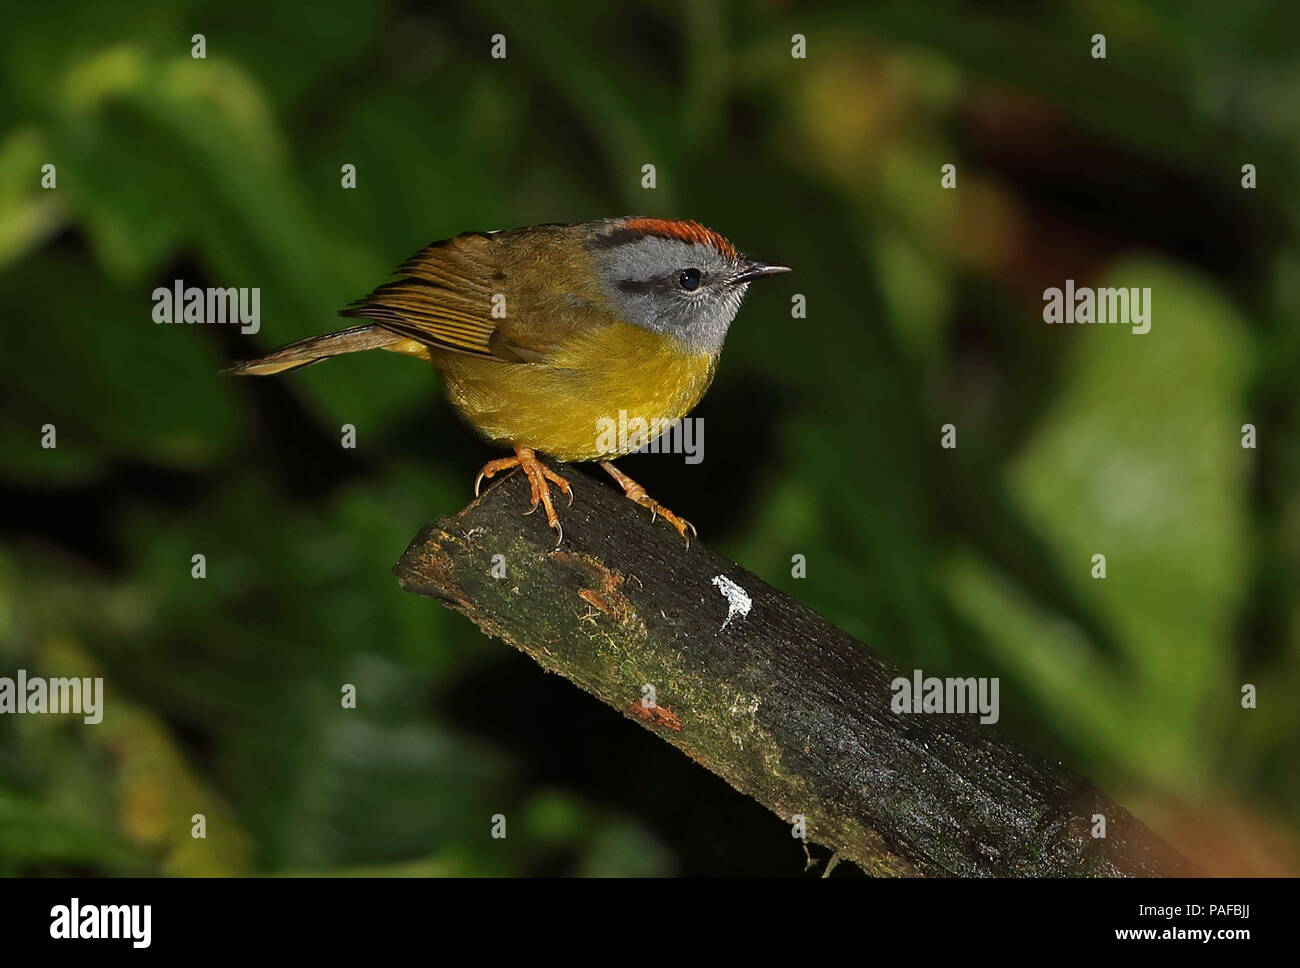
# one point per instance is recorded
(665, 228)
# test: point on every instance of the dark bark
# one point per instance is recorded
(781, 704)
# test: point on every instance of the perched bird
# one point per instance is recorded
(542, 335)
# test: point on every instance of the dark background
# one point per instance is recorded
(924, 308)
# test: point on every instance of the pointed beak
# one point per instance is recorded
(756, 270)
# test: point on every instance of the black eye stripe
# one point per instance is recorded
(643, 287)
(689, 279)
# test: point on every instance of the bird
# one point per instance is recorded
(542, 335)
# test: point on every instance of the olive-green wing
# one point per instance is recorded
(494, 295)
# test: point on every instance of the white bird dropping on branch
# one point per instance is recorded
(738, 601)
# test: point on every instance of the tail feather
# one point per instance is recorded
(308, 351)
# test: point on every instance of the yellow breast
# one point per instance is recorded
(595, 399)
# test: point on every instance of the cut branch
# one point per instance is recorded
(760, 690)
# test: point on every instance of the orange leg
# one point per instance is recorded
(538, 474)
(635, 492)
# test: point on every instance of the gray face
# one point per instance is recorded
(688, 290)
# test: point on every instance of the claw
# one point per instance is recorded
(559, 482)
(493, 467)
(635, 492)
(538, 475)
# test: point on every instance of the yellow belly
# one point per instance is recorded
(586, 401)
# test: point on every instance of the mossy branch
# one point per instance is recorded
(781, 704)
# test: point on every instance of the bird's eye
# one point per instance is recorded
(689, 279)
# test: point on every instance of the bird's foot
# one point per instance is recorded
(538, 475)
(635, 492)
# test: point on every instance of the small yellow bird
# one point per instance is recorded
(544, 335)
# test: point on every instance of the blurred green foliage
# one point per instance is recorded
(923, 309)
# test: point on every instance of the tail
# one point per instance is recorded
(308, 351)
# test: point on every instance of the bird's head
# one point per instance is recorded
(674, 277)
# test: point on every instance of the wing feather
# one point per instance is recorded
(445, 301)
(445, 297)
